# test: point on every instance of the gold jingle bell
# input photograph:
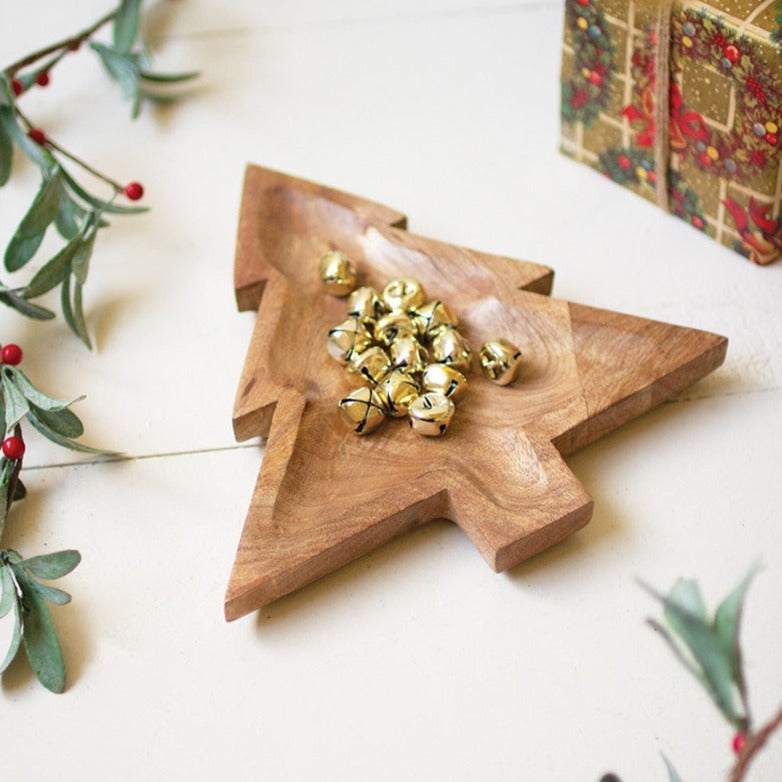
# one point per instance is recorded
(430, 414)
(500, 361)
(450, 347)
(432, 316)
(371, 366)
(397, 392)
(409, 354)
(445, 380)
(337, 273)
(403, 294)
(393, 326)
(348, 339)
(365, 304)
(362, 409)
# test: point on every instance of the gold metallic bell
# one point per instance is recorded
(445, 380)
(348, 339)
(429, 317)
(450, 347)
(338, 273)
(409, 354)
(363, 410)
(365, 304)
(397, 391)
(430, 414)
(500, 361)
(393, 326)
(403, 294)
(371, 366)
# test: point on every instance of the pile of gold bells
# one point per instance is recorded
(407, 352)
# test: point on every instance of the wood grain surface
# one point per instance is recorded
(324, 496)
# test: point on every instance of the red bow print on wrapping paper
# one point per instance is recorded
(762, 246)
(684, 123)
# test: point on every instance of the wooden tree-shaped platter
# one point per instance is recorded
(325, 496)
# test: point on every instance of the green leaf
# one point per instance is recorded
(6, 155)
(78, 315)
(687, 594)
(81, 260)
(51, 566)
(69, 216)
(673, 774)
(32, 394)
(64, 422)
(30, 232)
(8, 594)
(120, 67)
(24, 307)
(726, 622)
(16, 637)
(97, 203)
(72, 310)
(16, 407)
(65, 442)
(169, 78)
(6, 93)
(54, 271)
(39, 638)
(707, 650)
(53, 595)
(126, 24)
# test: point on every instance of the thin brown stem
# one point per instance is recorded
(755, 742)
(65, 44)
(117, 187)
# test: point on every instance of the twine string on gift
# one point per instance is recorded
(662, 102)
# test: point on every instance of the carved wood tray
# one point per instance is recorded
(324, 496)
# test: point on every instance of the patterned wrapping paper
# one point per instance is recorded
(725, 97)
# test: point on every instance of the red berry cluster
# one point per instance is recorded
(754, 86)
(13, 447)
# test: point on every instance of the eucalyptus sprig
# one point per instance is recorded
(61, 200)
(708, 646)
(21, 593)
(77, 215)
(25, 597)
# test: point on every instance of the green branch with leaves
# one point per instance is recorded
(709, 649)
(77, 214)
(62, 201)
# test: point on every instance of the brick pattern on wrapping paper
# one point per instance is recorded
(725, 175)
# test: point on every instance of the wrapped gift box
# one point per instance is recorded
(682, 103)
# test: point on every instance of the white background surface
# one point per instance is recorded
(417, 662)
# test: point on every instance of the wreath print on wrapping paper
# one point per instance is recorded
(749, 149)
(588, 90)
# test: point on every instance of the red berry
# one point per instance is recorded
(11, 354)
(652, 177)
(42, 80)
(17, 87)
(37, 135)
(579, 98)
(13, 448)
(772, 139)
(732, 53)
(583, 2)
(595, 78)
(705, 159)
(697, 222)
(624, 161)
(739, 742)
(134, 191)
